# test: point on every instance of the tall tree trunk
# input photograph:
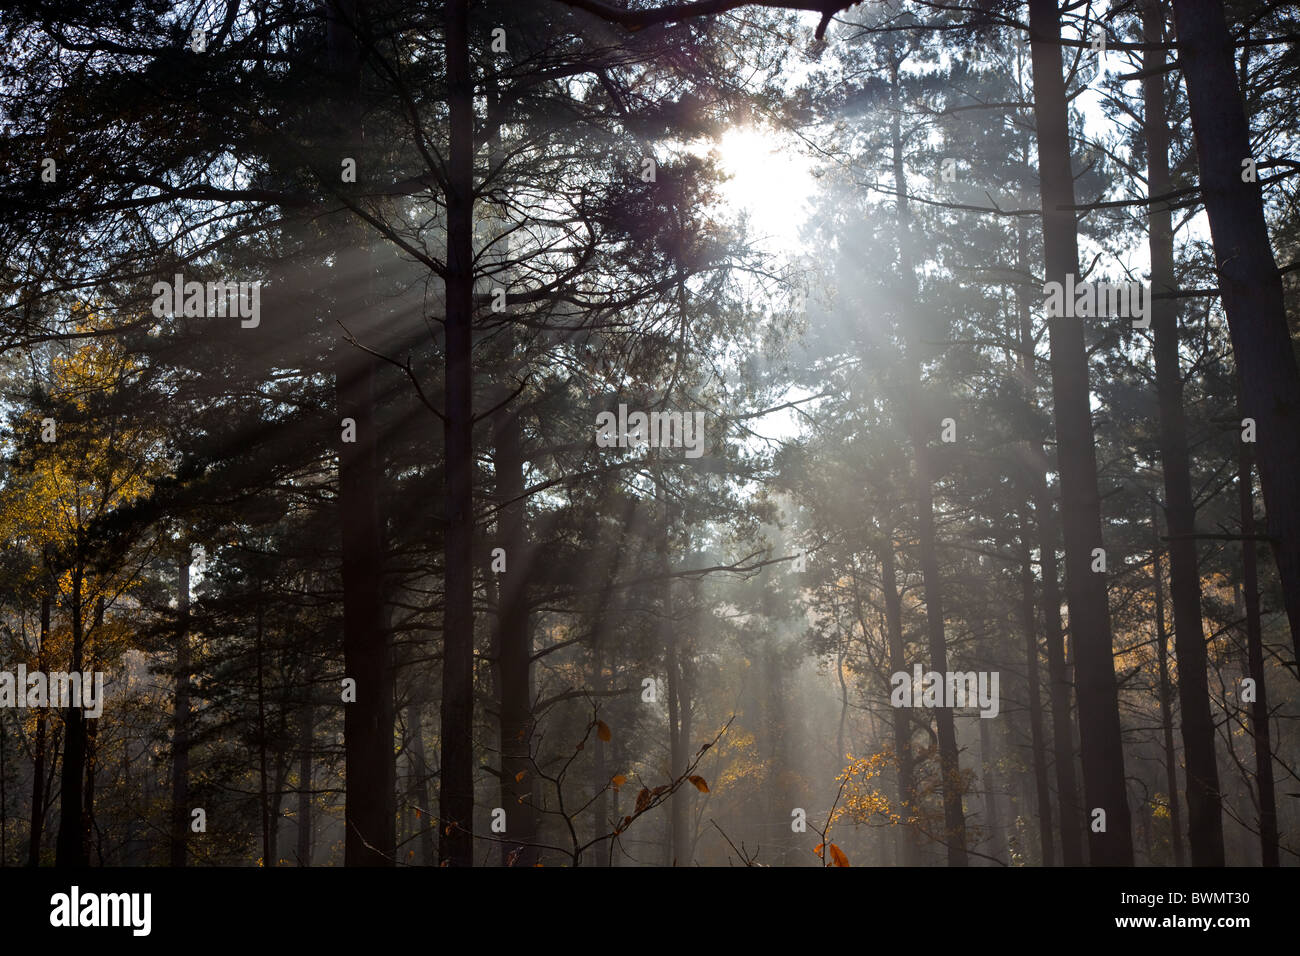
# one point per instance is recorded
(909, 850)
(1099, 724)
(1062, 683)
(1046, 845)
(989, 783)
(1259, 728)
(1249, 282)
(456, 782)
(38, 756)
(181, 719)
(678, 701)
(515, 648)
(92, 740)
(677, 755)
(600, 776)
(70, 848)
(686, 795)
(609, 857)
(1166, 698)
(1204, 813)
(264, 802)
(426, 824)
(1059, 680)
(279, 780)
(4, 794)
(953, 816)
(988, 748)
(306, 744)
(369, 760)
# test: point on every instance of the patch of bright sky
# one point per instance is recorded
(771, 185)
(770, 182)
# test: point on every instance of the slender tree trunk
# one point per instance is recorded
(515, 648)
(427, 848)
(678, 703)
(263, 786)
(1204, 814)
(1259, 725)
(909, 851)
(4, 794)
(456, 782)
(92, 741)
(279, 780)
(609, 855)
(38, 757)
(950, 769)
(600, 764)
(677, 756)
(1059, 679)
(306, 744)
(988, 747)
(70, 848)
(1099, 724)
(1062, 684)
(370, 764)
(1249, 282)
(687, 795)
(1166, 699)
(181, 720)
(1046, 844)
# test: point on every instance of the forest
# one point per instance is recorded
(649, 433)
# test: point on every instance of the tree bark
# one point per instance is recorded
(92, 748)
(1099, 724)
(1059, 680)
(1047, 850)
(70, 847)
(427, 825)
(909, 850)
(515, 648)
(369, 760)
(1204, 813)
(1166, 701)
(456, 782)
(306, 744)
(263, 789)
(1249, 282)
(1259, 726)
(38, 757)
(181, 720)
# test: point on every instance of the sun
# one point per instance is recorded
(770, 179)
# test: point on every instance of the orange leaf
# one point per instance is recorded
(520, 775)
(602, 730)
(838, 857)
(700, 785)
(819, 848)
(618, 780)
(642, 800)
(419, 814)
